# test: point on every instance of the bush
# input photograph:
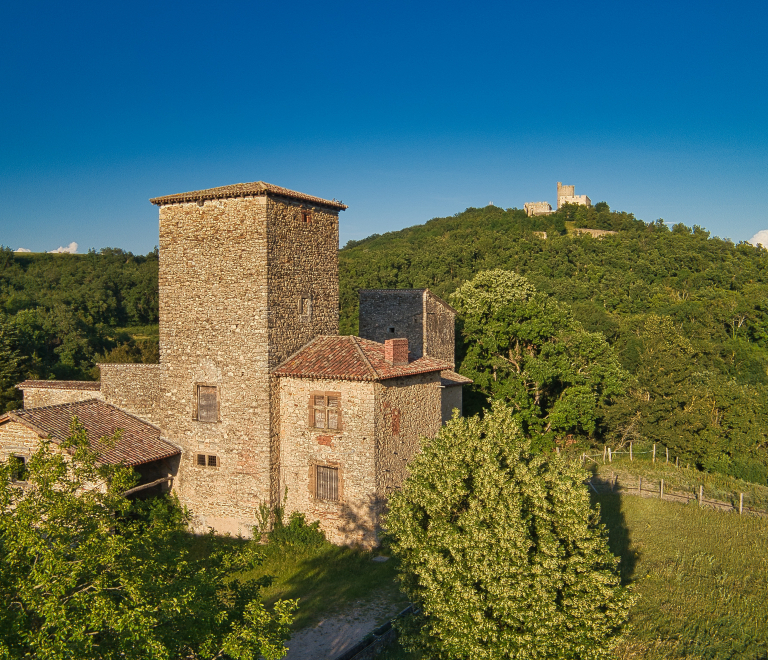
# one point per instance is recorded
(297, 533)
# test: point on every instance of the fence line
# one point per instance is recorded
(637, 489)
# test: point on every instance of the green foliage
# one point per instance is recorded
(297, 533)
(705, 396)
(501, 551)
(525, 348)
(697, 575)
(84, 574)
(62, 311)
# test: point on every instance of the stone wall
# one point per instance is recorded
(352, 519)
(401, 309)
(439, 329)
(408, 409)
(134, 388)
(17, 440)
(35, 397)
(231, 275)
(537, 208)
(452, 398)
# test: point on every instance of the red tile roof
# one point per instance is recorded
(350, 358)
(245, 190)
(139, 443)
(93, 385)
(449, 378)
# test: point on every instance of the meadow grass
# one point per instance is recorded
(700, 577)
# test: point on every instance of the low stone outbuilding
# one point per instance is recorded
(139, 444)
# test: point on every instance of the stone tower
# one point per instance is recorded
(248, 275)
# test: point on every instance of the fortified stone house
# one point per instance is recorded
(257, 399)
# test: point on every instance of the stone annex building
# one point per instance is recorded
(257, 399)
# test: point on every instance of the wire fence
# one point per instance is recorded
(641, 487)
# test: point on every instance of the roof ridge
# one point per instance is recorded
(355, 341)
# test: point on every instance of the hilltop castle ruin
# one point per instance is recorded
(565, 195)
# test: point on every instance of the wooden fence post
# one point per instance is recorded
(654, 452)
(741, 502)
(701, 494)
(676, 465)
(640, 486)
(661, 492)
(610, 458)
(630, 451)
(604, 448)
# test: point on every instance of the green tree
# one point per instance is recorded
(524, 347)
(86, 574)
(499, 548)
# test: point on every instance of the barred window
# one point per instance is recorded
(207, 403)
(325, 410)
(326, 483)
(206, 460)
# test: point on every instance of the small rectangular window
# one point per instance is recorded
(207, 404)
(305, 307)
(325, 410)
(206, 460)
(306, 216)
(326, 483)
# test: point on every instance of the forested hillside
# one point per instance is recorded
(685, 313)
(61, 313)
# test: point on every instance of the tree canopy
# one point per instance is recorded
(86, 573)
(525, 348)
(500, 550)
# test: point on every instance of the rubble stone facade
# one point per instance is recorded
(38, 394)
(244, 282)
(415, 314)
(132, 387)
(567, 195)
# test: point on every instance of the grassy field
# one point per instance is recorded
(701, 578)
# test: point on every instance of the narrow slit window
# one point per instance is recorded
(207, 404)
(327, 483)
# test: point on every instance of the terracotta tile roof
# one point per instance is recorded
(139, 443)
(245, 190)
(449, 378)
(350, 358)
(92, 385)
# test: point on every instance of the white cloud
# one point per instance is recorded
(22, 250)
(71, 248)
(760, 238)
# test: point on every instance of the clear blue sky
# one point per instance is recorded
(405, 111)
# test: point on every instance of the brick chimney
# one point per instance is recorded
(396, 352)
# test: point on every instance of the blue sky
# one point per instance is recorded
(405, 111)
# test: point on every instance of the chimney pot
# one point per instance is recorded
(396, 352)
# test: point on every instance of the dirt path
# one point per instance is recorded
(335, 634)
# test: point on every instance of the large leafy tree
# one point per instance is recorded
(525, 348)
(500, 550)
(84, 573)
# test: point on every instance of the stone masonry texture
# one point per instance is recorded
(426, 321)
(134, 388)
(244, 283)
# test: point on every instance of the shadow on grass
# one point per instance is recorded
(613, 518)
(327, 579)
